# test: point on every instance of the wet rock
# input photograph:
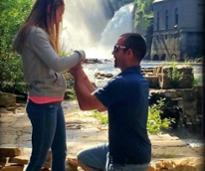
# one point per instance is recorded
(7, 99)
(72, 164)
(19, 159)
(10, 152)
(93, 61)
(100, 75)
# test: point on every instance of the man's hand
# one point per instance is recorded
(76, 69)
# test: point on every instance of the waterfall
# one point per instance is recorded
(86, 26)
(119, 24)
(82, 21)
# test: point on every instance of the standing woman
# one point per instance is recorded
(38, 44)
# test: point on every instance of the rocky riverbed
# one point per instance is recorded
(84, 131)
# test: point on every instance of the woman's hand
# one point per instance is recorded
(81, 53)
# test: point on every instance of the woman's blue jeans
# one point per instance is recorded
(48, 131)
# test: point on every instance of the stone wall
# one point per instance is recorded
(188, 100)
(179, 89)
(168, 76)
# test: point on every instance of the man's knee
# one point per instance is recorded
(85, 161)
(82, 157)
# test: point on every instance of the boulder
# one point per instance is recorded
(19, 160)
(100, 75)
(177, 164)
(72, 164)
(7, 99)
(10, 152)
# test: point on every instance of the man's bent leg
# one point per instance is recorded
(93, 159)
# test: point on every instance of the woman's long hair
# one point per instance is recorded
(42, 15)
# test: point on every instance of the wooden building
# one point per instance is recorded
(178, 29)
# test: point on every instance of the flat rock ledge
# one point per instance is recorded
(16, 159)
(178, 164)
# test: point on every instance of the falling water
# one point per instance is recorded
(83, 20)
(86, 26)
(119, 24)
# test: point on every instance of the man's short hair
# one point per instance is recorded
(135, 42)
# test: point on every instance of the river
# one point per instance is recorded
(108, 67)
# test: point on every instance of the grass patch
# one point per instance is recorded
(102, 117)
(197, 82)
(70, 94)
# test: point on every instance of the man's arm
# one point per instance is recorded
(84, 89)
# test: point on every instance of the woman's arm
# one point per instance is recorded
(39, 42)
(84, 89)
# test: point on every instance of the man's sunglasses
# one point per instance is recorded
(118, 47)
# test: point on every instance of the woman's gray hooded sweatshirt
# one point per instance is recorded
(43, 67)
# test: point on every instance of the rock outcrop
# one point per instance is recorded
(180, 164)
(168, 76)
(7, 99)
(16, 159)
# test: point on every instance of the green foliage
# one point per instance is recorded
(174, 75)
(12, 14)
(197, 82)
(70, 94)
(143, 15)
(155, 124)
(101, 117)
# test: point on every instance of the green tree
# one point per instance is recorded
(143, 15)
(12, 14)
